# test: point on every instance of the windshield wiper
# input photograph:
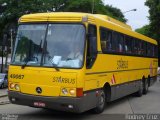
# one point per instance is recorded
(24, 65)
(56, 67)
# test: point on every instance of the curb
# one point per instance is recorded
(4, 102)
(3, 96)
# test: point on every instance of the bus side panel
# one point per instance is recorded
(123, 73)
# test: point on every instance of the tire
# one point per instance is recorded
(139, 93)
(101, 103)
(145, 87)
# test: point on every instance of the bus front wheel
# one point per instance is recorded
(101, 103)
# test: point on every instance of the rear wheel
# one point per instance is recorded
(139, 93)
(101, 103)
(145, 86)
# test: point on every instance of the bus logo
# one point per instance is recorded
(38, 90)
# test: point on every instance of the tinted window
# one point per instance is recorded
(115, 41)
(152, 50)
(120, 43)
(111, 41)
(143, 48)
(155, 51)
(148, 49)
(106, 37)
(91, 46)
(128, 44)
(135, 46)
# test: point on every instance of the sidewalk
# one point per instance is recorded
(3, 92)
(3, 96)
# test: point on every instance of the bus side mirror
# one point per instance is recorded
(92, 51)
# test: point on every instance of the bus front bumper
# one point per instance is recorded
(69, 104)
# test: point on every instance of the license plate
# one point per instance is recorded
(39, 104)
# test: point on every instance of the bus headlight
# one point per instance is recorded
(72, 91)
(12, 85)
(64, 91)
(17, 87)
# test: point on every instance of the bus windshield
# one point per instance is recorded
(50, 45)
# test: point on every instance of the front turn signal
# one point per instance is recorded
(79, 92)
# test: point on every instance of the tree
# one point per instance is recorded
(86, 6)
(15, 8)
(154, 10)
(145, 30)
(12, 10)
(115, 13)
(99, 8)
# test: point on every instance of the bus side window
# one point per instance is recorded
(143, 48)
(114, 41)
(128, 44)
(152, 50)
(117, 42)
(135, 46)
(149, 49)
(109, 41)
(120, 43)
(139, 47)
(155, 51)
(105, 36)
(91, 46)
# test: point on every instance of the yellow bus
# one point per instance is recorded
(78, 61)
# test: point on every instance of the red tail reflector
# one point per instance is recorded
(79, 92)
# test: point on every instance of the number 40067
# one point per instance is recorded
(16, 76)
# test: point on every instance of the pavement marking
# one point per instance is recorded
(130, 106)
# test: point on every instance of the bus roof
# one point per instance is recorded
(113, 24)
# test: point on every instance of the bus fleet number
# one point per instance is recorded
(16, 76)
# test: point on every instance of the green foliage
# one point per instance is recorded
(79, 6)
(12, 10)
(145, 30)
(115, 13)
(152, 30)
(154, 10)
(99, 8)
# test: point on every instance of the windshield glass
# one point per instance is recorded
(55, 45)
(29, 44)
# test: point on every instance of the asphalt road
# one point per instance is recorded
(117, 110)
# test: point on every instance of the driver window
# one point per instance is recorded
(91, 45)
